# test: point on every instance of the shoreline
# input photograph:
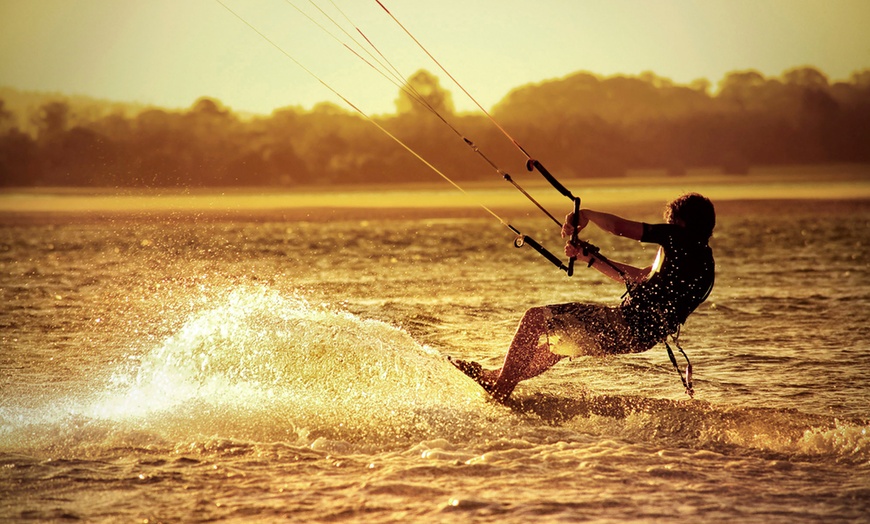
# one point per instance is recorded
(642, 210)
(810, 188)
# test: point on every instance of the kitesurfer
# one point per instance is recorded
(659, 299)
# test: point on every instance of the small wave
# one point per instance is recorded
(702, 425)
(845, 439)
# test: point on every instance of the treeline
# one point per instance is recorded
(582, 125)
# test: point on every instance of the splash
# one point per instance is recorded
(256, 365)
(847, 440)
(262, 365)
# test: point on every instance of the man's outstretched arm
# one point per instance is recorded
(615, 225)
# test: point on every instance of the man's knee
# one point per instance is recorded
(537, 315)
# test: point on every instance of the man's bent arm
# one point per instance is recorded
(618, 271)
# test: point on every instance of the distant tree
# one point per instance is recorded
(808, 77)
(208, 106)
(576, 94)
(581, 125)
(861, 79)
(740, 87)
(52, 120)
(284, 166)
(6, 117)
(425, 85)
(86, 159)
(701, 85)
(18, 159)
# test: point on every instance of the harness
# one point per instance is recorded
(675, 337)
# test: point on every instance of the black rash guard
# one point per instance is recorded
(680, 281)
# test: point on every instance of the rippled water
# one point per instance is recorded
(169, 368)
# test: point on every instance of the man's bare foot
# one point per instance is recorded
(474, 371)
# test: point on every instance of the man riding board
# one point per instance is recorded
(660, 297)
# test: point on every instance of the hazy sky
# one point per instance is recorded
(171, 52)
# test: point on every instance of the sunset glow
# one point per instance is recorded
(246, 275)
(171, 53)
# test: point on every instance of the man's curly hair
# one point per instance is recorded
(695, 211)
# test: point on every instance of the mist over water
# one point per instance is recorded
(261, 370)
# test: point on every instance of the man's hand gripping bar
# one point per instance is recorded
(533, 164)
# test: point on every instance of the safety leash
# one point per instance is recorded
(687, 379)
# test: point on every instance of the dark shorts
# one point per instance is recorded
(575, 330)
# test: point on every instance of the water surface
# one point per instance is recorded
(176, 367)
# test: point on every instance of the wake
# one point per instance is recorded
(768, 432)
(256, 365)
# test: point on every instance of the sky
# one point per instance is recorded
(171, 52)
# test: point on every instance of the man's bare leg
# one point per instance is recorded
(526, 357)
